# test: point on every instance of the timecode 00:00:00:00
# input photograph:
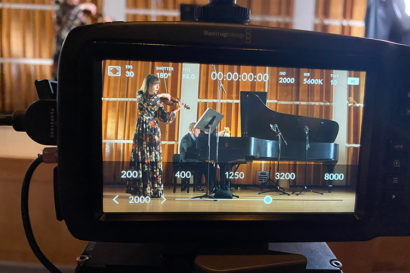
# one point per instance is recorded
(235, 76)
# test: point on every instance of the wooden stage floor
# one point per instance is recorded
(339, 200)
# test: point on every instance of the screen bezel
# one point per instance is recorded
(81, 176)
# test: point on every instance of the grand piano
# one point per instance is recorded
(308, 139)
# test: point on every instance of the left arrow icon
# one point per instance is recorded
(115, 199)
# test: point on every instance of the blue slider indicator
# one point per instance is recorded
(267, 200)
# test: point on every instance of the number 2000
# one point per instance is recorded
(139, 199)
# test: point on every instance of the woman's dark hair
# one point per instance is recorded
(149, 80)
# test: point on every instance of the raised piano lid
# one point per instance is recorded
(257, 118)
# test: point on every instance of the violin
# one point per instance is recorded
(173, 101)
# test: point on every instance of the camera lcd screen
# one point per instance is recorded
(298, 153)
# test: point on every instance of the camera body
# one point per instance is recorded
(382, 190)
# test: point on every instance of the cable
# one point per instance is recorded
(6, 120)
(26, 219)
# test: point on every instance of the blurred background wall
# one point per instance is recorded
(26, 49)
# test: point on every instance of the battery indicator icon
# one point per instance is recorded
(353, 81)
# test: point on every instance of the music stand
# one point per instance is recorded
(207, 123)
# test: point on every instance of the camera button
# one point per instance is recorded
(394, 180)
(393, 197)
(396, 165)
(396, 148)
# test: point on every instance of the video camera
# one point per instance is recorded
(354, 91)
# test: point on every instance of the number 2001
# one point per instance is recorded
(129, 174)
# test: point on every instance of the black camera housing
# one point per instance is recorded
(382, 208)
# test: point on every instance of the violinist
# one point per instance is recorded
(146, 154)
(68, 15)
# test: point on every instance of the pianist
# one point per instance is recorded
(189, 153)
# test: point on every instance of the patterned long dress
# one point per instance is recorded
(146, 152)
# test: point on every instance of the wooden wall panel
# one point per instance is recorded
(172, 5)
(2, 89)
(272, 13)
(356, 92)
(139, 4)
(24, 34)
(353, 159)
(162, 5)
(138, 17)
(44, 2)
(343, 16)
(231, 112)
(355, 116)
(53, 236)
(27, 33)
(18, 84)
